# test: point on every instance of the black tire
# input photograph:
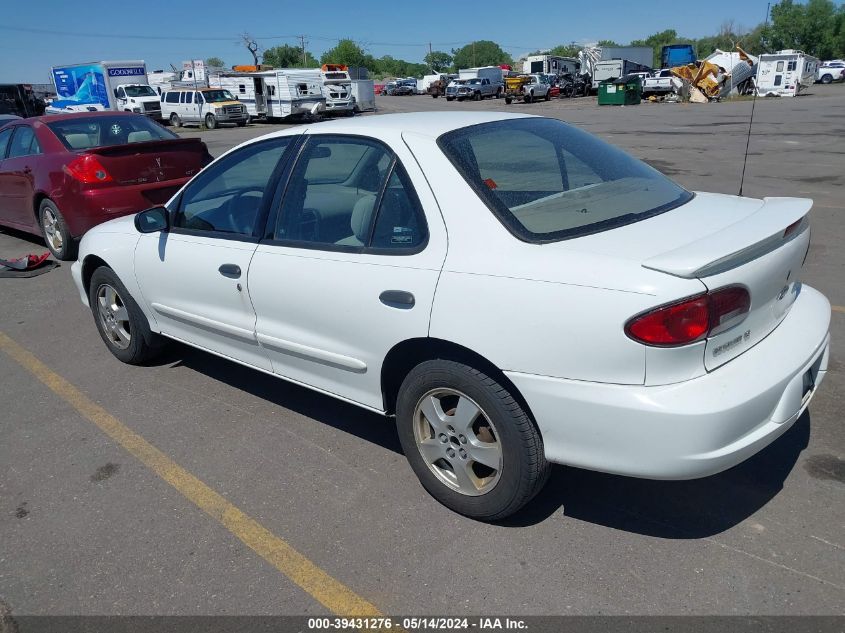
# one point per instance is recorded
(508, 100)
(450, 98)
(826, 79)
(241, 123)
(434, 96)
(524, 469)
(175, 121)
(55, 231)
(528, 98)
(476, 96)
(143, 345)
(548, 96)
(210, 121)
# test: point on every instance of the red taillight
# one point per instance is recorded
(87, 169)
(691, 319)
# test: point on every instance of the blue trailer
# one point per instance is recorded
(677, 55)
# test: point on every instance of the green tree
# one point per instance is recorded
(438, 61)
(349, 53)
(815, 28)
(287, 56)
(480, 53)
(565, 50)
(609, 43)
(214, 62)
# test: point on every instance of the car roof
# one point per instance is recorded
(431, 124)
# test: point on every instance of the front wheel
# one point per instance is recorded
(210, 121)
(120, 322)
(469, 442)
(55, 231)
(508, 100)
(242, 123)
(434, 96)
(174, 120)
(528, 98)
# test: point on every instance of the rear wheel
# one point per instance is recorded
(55, 231)
(210, 121)
(548, 95)
(469, 442)
(120, 322)
(826, 79)
(528, 98)
(175, 121)
(508, 100)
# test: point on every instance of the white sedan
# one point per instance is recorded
(513, 290)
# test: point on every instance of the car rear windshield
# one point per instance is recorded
(104, 131)
(548, 181)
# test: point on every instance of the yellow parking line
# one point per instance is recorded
(329, 592)
(838, 308)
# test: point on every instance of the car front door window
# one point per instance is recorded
(227, 197)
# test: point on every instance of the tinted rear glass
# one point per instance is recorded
(104, 131)
(547, 181)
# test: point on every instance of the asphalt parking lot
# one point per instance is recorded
(93, 522)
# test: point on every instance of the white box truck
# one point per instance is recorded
(120, 85)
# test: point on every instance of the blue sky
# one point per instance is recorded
(64, 32)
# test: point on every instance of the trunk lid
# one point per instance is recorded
(151, 161)
(724, 241)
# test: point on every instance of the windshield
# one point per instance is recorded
(548, 181)
(104, 131)
(216, 96)
(139, 91)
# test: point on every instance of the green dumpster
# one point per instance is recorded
(626, 90)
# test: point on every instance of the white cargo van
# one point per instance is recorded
(203, 106)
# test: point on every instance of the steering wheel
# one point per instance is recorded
(240, 215)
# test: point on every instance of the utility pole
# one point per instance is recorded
(430, 67)
(304, 56)
(473, 54)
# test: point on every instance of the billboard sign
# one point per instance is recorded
(78, 85)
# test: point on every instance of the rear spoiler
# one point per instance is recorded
(761, 232)
(133, 148)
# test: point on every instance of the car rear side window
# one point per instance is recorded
(548, 181)
(105, 131)
(171, 97)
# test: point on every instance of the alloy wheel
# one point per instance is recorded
(458, 441)
(114, 317)
(52, 230)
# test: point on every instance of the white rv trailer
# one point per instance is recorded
(273, 94)
(550, 65)
(785, 73)
(337, 86)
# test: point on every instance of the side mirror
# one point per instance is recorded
(153, 220)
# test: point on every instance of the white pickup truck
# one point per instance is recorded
(661, 82)
(831, 71)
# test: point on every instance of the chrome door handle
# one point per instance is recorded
(230, 270)
(397, 299)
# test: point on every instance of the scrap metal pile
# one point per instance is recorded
(719, 75)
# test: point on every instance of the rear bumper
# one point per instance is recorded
(694, 428)
(95, 206)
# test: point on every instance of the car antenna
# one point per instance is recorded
(748, 139)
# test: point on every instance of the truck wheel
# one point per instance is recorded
(476, 96)
(470, 443)
(548, 96)
(174, 120)
(508, 100)
(826, 79)
(449, 98)
(55, 231)
(434, 96)
(242, 123)
(210, 121)
(498, 93)
(528, 98)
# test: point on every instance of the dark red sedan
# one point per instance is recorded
(62, 174)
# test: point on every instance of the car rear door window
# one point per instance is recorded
(24, 142)
(350, 193)
(172, 97)
(227, 197)
(5, 135)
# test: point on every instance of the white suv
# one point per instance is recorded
(204, 106)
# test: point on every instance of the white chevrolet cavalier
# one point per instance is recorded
(513, 290)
